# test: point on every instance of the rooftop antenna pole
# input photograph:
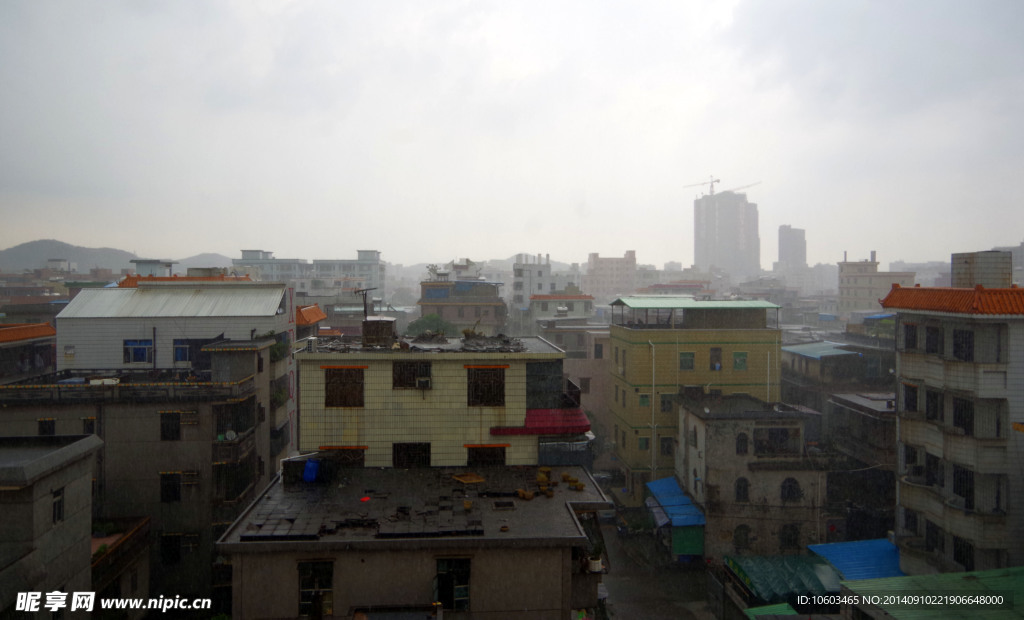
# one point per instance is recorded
(363, 292)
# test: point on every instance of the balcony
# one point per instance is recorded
(234, 450)
(119, 550)
(984, 380)
(163, 386)
(985, 456)
(987, 529)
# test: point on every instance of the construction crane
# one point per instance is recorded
(711, 182)
(736, 189)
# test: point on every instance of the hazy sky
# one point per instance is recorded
(435, 130)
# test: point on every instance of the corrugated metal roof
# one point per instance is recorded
(670, 302)
(818, 350)
(1008, 582)
(781, 609)
(977, 300)
(862, 559)
(775, 579)
(175, 301)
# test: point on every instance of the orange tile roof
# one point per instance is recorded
(309, 315)
(977, 300)
(132, 281)
(14, 332)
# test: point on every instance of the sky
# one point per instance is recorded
(445, 129)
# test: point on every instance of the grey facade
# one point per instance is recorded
(726, 237)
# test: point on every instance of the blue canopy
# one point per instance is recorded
(862, 559)
(678, 507)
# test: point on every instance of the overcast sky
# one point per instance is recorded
(436, 130)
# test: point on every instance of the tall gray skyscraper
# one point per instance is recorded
(725, 235)
(792, 249)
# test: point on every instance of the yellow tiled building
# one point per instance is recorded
(443, 406)
(662, 346)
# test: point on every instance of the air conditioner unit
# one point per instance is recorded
(423, 383)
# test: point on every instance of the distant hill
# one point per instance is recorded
(207, 259)
(34, 254)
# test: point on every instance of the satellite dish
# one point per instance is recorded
(230, 435)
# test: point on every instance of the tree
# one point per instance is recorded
(431, 322)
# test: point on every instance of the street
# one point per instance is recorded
(642, 583)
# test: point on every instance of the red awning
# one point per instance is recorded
(548, 422)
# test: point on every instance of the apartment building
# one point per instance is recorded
(466, 304)
(46, 517)
(536, 277)
(960, 369)
(746, 464)
(862, 285)
(422, 492)
(190, 387)
(662, 346)
(726, 235)
(610, 277)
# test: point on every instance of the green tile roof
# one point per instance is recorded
(671, 302)
(1008, 582)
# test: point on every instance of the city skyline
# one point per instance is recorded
(180, 129)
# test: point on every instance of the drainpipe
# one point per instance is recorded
(654, 427)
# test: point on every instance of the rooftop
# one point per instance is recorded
(818, 350)
(443, 344)
(977, 301)
(384, 507)
(1007, 582)
(25, 332)
(672, 302)
(178, 299)
(23, 460)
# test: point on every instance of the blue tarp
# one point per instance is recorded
(862, 559)
(311, 470)
(679, 508)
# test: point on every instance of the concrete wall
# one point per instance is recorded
(504, 583)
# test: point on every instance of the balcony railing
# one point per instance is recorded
(122, 387)
(234, 450)
(111, 563)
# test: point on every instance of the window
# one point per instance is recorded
(909, 337)
(170, 549)
(909, 397)
(963, 345)
(739, 361)
(170, 487)
(138, 351)
(742, 490)
(598, 351)
(963, 415)
(741, 537)
(693, 436)
(963, 553)
(88, 426)
(667, 401)
(552, 288)
(405, 374)
(543, 306)
(476, 311)
(410, 455)
(486, 387)
(181, 351)
(343, 387)
(570, 306)
(790, 491)
(934, 471)
(462, 312)
(517, 286)
(316, 589)
(170, 425)
(686, 361)
(47, 426)
(716, 358)
(58, 505)
(741, 443)
(667, 445)
(910, 521)
(645, 400)
(616, 355)
(934, 537)
(909, 456)
(452, 583)
(616, 399)
(485, 456)
(963, 485)
(933, 405)
(643, 444)
(933, 340)
(584, 385)
(789, 536)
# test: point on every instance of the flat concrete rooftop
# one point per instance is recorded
(384, 508)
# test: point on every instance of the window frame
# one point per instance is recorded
(345, 387)
(687, 360)
(310, 584)
(485, 387)
(405, 373)
(739, 361)
(133, 349)
(170, 426)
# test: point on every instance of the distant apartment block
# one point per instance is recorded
(792, 249)
(268, 268)
(537, 278)
(862, 285)
(726, 236)
(961, 412)
(609, 277)
(992, 269)
(466, 304)
(662, 346)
